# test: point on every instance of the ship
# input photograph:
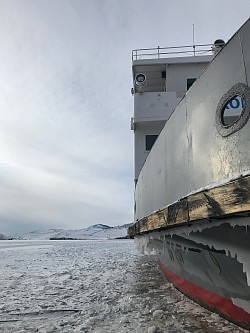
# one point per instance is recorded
(192, 169)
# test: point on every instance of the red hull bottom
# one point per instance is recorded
(208, 299)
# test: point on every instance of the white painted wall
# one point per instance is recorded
(177, 74)
(151, 113)
(152, 106)
(140, 151)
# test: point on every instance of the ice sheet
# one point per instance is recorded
(92, 286)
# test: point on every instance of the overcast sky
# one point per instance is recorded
(66, 148)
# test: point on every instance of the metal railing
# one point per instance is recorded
(172, 51)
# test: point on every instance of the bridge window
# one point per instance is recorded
(190, 81)
(150, 140)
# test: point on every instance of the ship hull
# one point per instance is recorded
(192, 196)
(208, 263)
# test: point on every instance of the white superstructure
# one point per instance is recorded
(157, 94)
(204, 139)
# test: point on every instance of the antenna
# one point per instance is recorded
(193, 40)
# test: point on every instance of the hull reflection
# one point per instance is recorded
(209, 264)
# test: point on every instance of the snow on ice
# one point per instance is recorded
(88, 286)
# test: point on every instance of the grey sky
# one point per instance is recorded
(66, 149)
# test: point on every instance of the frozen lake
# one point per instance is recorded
(93, 286)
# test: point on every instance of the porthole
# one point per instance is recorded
(233, 110)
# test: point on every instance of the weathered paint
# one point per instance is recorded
(190, 153)
(230, 199)
(225, 307)
(209, 262)
(191, 224)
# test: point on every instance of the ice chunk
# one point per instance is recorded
(152, 329)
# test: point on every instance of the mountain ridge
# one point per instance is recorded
(96, 231)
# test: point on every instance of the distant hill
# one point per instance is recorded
(96, 231)
(3, 237)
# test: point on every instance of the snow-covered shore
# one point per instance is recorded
(97, 231)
